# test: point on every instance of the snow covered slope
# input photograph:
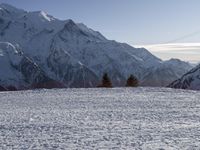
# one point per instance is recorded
(165, 73)
(106, 119)
(190, 80)
(71, 53)
(19, 72)
(9, 58)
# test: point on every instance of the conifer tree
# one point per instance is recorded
(132, 81)
(106, 82)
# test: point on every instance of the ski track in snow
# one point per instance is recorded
(119, 118)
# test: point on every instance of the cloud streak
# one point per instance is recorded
(185, 51)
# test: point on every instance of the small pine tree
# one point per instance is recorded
(106, 82)
(132, 81)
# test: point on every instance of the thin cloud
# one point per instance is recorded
(185, 51)
(172, 47)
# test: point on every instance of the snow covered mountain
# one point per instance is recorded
(190, 80)
(165, 73)
(18, 71)
(65, 52)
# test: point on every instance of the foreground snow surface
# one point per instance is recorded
(119, 118)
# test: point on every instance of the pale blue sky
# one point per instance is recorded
(137, 22)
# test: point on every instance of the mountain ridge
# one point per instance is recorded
(190, 80)
(71, 53)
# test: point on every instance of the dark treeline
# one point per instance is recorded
(132, 81)
(106, 82)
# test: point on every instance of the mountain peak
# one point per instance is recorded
(71, 25)
(70, 22)
(175, 60)
(45, 16)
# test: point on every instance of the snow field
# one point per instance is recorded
(118, 118)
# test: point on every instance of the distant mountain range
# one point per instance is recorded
(165, 73)
(38, 50)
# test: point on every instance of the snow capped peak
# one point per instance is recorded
(178, 63)
(174, 60)
(70, 24)
(45, 16)
(39, 17)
